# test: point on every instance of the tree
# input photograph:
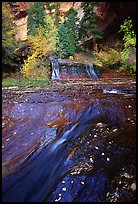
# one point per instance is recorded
(129, 39)
(50, 31)
(71, 23)
(88, 22)
(67, 35)
(42, 34)
(8, 34)
(36, 17)
(64, 47)
(37, 60)
(54, 6)
(8, 27)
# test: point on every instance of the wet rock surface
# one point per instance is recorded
(74, 141)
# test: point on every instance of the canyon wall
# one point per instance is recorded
(111, 14)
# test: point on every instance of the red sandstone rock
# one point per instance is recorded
(111, 14)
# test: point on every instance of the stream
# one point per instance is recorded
(74, 141)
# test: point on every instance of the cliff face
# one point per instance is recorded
(111, 14)
(21, 15)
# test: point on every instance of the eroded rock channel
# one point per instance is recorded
(71, 142)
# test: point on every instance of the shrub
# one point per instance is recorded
(37, 61)
(108, 58)
(129, 45)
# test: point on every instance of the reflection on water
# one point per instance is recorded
(70, 151)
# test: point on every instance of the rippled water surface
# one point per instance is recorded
(72, 142)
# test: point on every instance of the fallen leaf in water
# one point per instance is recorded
(133, 186)
(91, 160)
(56, 200)
(64, 189)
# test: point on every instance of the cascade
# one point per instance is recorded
(91, 72)
(68, 69)
(55, 69)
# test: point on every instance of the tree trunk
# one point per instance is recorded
(94, 44)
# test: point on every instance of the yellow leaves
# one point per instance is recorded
(39, 43)
(109, 57)
(71, 57)
(64, 189)
(6, 11)
(29, 65)
(37, 65)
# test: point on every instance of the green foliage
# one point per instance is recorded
(8, 27)
(132, 68)
(72, 25)
(67, 35)
(9, 43)
(42, 40)
(54, 6)
(50, 31)
(71, 11)
(16, 81)
(129, 34)
(108, 57)
(36, 17)
(88, 22)
(65, 45)
(129, 45)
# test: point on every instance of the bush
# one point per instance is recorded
(38, 61)
(108, 58)
(129, 45)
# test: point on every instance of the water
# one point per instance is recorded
(25, 185)
(69, 147)
(64, 69)
(55, 69)
(91, 72)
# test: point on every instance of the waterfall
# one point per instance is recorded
(90, 71)
(55, 69)
(67, 69)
